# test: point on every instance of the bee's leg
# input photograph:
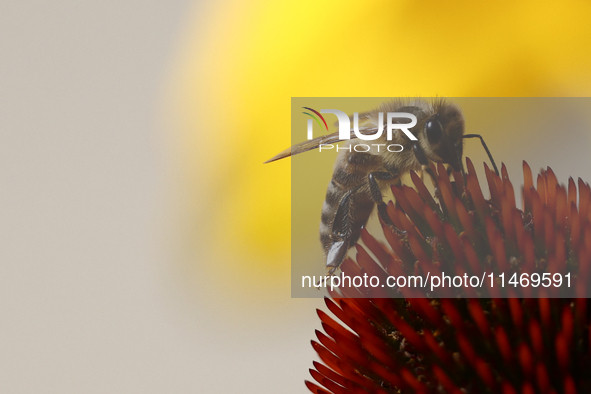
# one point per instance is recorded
(341, 225)
(376, 195)
(424, 162)
(341, 233)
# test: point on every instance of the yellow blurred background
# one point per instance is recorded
(145, 247)
(239, 68)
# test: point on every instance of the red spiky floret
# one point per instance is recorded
(510, 340)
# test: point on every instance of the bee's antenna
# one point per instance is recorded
(485, 148)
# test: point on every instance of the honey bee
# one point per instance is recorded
(360, 176)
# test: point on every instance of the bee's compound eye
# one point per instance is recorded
(434, 131)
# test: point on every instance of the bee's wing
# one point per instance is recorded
(364, 121)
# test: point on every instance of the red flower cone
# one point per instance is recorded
(527, 338)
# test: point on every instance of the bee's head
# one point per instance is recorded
(442, 136)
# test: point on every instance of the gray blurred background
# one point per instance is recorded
(92, 299)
